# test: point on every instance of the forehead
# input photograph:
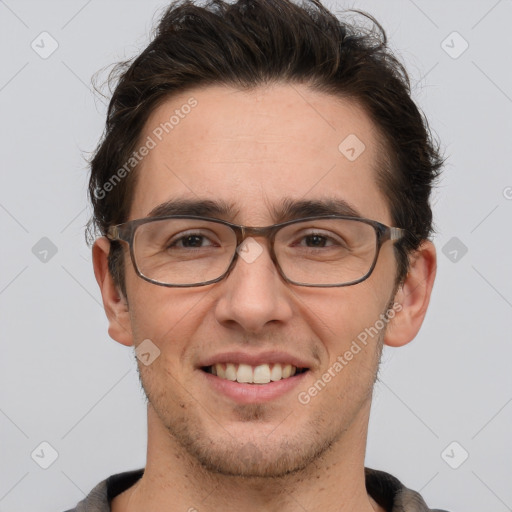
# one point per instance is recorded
(253, 148)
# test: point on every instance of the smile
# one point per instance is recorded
(247, 374)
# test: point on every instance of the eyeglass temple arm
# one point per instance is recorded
(113, 233)
(396, 233)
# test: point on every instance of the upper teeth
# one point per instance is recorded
(261, 374)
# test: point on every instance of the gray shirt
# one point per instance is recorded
(384, 488)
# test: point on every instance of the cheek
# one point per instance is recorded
(344, 322)
(340, 316)
(166, 316)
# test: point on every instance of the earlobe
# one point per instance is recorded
(413, 296)
(114, 303)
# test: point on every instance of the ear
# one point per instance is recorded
(114, 303)
(413, 296)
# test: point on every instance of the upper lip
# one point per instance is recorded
(270, 357)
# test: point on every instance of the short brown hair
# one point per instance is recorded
(256, 42)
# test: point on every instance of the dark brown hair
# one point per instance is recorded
(256, 42)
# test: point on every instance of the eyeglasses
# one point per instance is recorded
(185, 251)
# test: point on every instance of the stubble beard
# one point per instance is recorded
(263, 456)
(275, 455)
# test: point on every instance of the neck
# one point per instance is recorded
(333, 483)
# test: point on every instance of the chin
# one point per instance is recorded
(252, 449)
(255, 460)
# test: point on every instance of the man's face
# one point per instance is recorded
(252, 150)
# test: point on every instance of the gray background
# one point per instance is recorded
(66, 383)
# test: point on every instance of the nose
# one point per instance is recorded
(253, 294)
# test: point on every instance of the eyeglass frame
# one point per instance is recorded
(126, 231)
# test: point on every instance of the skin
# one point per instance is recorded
(252, 148)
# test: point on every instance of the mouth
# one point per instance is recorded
(259, 375)
(251, 378)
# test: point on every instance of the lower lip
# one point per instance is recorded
(253, 393)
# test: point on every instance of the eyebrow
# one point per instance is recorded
(288, 209)
(199, 207)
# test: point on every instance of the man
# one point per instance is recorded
(262, 189)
